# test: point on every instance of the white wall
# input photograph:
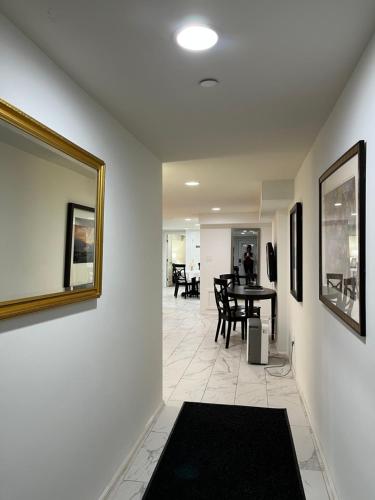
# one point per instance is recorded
(215, 260)
(79, 383)
(34, 195)
(281, 244)
(335, 369)
(193, 251)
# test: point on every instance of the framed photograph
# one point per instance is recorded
(296, 284)
(80, 247)
(342, 233)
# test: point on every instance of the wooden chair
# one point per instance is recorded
(350, 285)
(179, 279)
(194, 290)
(226, 312)
(231, 280)
(236, 274)
(334, 280)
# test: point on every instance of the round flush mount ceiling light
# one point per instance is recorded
(209, 82)
(216, 209)
(197, 38)
(192, 183)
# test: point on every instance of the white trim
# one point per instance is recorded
(118, 475)
(332, 493)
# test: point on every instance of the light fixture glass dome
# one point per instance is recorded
(197, 38)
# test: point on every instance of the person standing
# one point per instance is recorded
(248, 264)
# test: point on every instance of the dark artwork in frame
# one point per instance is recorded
(296, 272)
(342, 238)
(80, 244)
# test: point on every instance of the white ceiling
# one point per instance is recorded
(281, 66)
(231, 183)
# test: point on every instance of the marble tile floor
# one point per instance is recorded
(198, 369)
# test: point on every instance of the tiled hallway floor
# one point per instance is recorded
(197, 369)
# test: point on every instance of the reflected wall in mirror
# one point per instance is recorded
(51, 217)
(342, 238)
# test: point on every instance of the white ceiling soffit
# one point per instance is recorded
(281, 67)
(276, 195)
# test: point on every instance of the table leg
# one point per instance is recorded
(251, 308)
(273, 315)
(247, 307)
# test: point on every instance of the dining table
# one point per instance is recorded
(192, 273)
(250, 294)
(193, 276)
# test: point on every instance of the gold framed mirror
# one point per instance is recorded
(51, 217)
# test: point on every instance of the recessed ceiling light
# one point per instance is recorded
(192, 183)
(354, 214)
(338, 204)
(216, 209)
(197, 38)
(188, 220)
(209, 82)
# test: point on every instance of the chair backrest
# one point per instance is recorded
(236, 272)
(221, 295)
(350, 287)
(334, 280)
(229, 278)
(179, 273)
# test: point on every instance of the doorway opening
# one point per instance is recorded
(181, 247)
(176, 254)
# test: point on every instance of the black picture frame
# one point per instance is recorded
(342, 238)
(296, 245)
(70, 253)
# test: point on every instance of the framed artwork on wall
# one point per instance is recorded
(342, 238)
(80, 248)
(296, 283)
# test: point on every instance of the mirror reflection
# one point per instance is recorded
(47, 218)
(340, 239)
(245, 254)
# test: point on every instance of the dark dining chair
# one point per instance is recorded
(350, 285)
(195, 285)
(231, 281)
(334, 280)
(179, 279)
(236, 273)
(227, 314)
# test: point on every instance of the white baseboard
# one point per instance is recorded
(327, 476)
(117, 477)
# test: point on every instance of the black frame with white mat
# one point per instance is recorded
(342, 238)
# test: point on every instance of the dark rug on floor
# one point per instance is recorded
(228, 452)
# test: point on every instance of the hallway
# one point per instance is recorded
(197, 369)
